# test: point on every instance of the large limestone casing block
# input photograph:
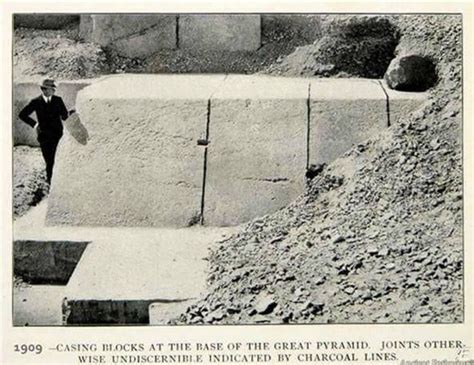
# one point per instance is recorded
(142, 165)
(134, 35)
(220, 32)
(343, 113)
(23, 92)
(257, 151)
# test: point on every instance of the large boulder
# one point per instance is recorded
(411, 73)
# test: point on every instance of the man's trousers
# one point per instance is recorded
(48, 148)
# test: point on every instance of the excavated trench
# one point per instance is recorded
(171, 151)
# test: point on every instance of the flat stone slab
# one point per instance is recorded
(141, 165)
(38, 305)
(344, 113)
(143, 267)
(125, 268)
(219, 32)
(257, 153)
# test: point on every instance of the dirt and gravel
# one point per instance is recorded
(350, 46)
(378, 235)
(29, 179)
(55, 53)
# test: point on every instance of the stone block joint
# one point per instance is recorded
(204, 172)
(387, 103)
(308, 126)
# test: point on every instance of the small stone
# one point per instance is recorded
(339, 239)
(446, 300)
(313, 307)
(384, 252)
(233, 310)
(343, 271)
(349, 290)
(411, 283)
(265, 304)
(372, 250)
(252, 311)
(261, 319)
(319, 280)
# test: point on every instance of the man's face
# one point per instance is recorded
(48, 91)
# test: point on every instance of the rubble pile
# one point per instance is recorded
(359, 46)
(55, 53)
(377, 237)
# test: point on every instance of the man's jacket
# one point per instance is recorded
(49, 115)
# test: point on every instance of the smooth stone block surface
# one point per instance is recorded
(147, 43)
(38, 305)
(220, 32)
(257, 151)
(344, 113)
(141, 165)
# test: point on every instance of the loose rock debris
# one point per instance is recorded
(377, 237)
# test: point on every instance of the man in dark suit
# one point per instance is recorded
(50, 114)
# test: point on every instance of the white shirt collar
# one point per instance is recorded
(47, 100)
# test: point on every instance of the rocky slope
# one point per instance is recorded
(378, 235)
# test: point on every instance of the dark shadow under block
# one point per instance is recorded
(100, 312)
(46, 262)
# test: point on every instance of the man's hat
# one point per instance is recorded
(48, 83)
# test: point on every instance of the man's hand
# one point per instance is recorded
(72, 111)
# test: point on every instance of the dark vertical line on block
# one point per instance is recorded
(203, 186)
(204, 173)
(177, 31)
(208, 118)
(387, 103)
(308, 125)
